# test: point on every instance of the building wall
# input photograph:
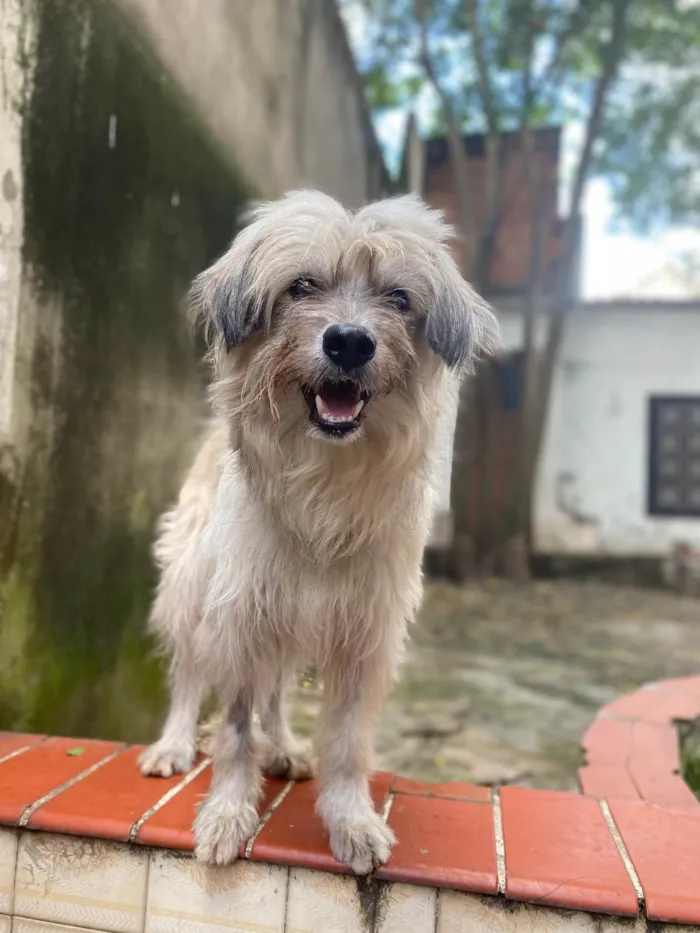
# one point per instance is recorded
(510, 270)
(274, 82)
(591, 494)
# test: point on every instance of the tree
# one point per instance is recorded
(494, 66)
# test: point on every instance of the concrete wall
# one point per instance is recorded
(115, 190)
(275, 83)
(591, 495)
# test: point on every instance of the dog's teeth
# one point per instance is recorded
(357, 409)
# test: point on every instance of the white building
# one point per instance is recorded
(619, 472)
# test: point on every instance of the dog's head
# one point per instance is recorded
(322, 312)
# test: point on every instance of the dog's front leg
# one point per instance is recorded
(353, 696)
(228, 816)
(174, 751)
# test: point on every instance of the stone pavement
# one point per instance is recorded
(501, 680)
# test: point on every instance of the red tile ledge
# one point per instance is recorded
(631, 749)
(636, 846)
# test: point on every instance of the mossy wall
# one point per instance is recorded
(125, 199)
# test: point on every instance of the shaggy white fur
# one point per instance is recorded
(296, 537)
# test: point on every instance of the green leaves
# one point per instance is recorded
(384, 93)
(543, 60)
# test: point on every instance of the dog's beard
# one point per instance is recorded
(336, 407)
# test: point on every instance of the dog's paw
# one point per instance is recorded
(363, 845)
(166, 758)
(293, 763)
(221, 829)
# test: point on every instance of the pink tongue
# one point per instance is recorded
(338, 408)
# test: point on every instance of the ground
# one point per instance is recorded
(501, 680)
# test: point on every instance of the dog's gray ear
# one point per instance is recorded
(460, 325)
(224, 299)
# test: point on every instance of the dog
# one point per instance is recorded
(337, 341)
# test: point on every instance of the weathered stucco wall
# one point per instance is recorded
(275, 83)
(591, 493)
(114, 192)
(590, 497)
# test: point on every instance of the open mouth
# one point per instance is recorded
(336, 408)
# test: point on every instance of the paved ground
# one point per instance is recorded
(501, 680)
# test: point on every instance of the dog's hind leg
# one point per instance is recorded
(175, 749)
(228, 817)
(281, 754)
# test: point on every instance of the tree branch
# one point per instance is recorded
(576, 21)
(612, 55)
(458, 156)
(493, 179)
(564, 296)
(482, 68)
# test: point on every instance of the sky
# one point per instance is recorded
(615, 263)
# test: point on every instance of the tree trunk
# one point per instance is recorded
(517, 514)
(461, 558)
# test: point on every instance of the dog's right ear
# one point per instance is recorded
(224, 298)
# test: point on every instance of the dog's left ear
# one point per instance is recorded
(225, 298)
(460, 325)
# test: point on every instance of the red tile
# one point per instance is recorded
(653, 765)
(295, 834)
(559, 851)
(681, 684)
(655, 705)
(13, 741)
(671, 706)
(607, 741)
(634, 705)
(665, 790)
(171, 826)
(607, 781)
(444, 843)
(654, 744)
(665, 850)
(454, 790)
(107, 803)
(29, 776)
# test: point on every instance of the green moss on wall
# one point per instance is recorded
(125, 200)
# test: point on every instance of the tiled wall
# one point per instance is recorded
(51, 883)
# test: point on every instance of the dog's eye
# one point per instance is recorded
(302, 287)
(400, 299)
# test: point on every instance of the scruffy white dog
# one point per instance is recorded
(337, 340)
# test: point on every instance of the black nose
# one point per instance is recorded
(348, 346)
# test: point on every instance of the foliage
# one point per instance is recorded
(689, 740)
(542, 59)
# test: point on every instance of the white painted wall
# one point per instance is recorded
(595, 456)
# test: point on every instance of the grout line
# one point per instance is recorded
(386, 808)
(262, 822)
(286, 899)
(33, 807)
(167, 796)
(146, 891)
(15, 874)
(622, 849)
(500, 839)
(16, 752)
(437, 910)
